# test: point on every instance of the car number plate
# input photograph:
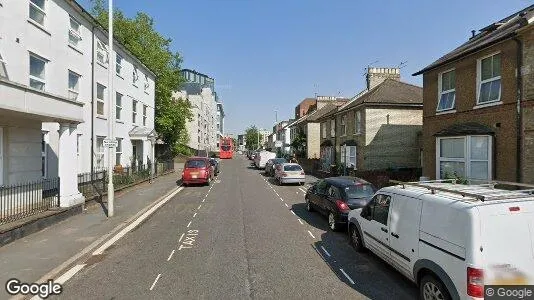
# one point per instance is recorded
(193, 176)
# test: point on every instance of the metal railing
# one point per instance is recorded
(22, 200)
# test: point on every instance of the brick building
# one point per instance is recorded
(478, 114)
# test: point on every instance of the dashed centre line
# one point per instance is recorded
(286, 205)
(199, 206)
(170, 256)
(189, 224)
(181, 237)
(155, 281)
(311, 234)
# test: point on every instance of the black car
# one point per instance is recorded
(336, 196)
(215, 163)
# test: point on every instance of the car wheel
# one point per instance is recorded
(431, 288)
(355, 238)
(332, 222)
(309, 206)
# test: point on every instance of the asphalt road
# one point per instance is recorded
(243, 237)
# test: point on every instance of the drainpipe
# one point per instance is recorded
(92, 102)
(519, 118)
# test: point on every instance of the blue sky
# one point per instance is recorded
(269, 55)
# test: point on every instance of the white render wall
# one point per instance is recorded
(51, 42)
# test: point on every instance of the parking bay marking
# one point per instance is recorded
(326, 251)
(311, 234)
(346, 275)
(155, 281)
(190, 239)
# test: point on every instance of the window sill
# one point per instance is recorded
(147, 93)
(445, 112)
(120, 76)
(101, 117)
(39, 26)
(75, 49)
(358, 133)
(102, 65)
(119, 121)
(489, 104)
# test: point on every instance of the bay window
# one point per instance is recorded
(332, 128)
(467, 157)
(100, 152)
(100, 99)
(358, 122)
(101, 52)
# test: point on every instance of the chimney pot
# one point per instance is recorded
(473, 33)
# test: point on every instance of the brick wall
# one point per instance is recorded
(527, 73)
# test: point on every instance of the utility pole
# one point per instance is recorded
(111, 121)
(276, 116)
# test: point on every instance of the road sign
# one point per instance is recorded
(110, 144)
(278, 144)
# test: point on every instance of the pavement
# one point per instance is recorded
(30, 258)
(243, 237)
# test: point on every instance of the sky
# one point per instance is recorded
(268, 55)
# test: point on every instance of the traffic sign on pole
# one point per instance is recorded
(110, 143)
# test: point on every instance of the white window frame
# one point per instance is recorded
(347, 158)
(118, 64)
(135, 76)
(118, 105)
(31, 77)
(100, 152)
(74, 33)
(74, 92)
(358, 121)
(44, 154)
(441, 92)
(480, 81)
(134, 111)
(333, 128)
(103, 101)
(102, 51)
(467, 155)
(145, 109)
(40, 9)
(3, 67)
(118, 152)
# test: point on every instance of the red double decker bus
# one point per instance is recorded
(226, 148)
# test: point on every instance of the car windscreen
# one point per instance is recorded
(225, 148)
(279, 160)
(359, 191)
(196, 164)
(292, 168)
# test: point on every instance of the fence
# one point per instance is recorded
(97, 186)
(19, 201)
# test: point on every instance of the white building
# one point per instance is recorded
(220, 120)
(53, 80)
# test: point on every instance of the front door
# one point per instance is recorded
(375, 225)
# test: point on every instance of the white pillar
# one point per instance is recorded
(69, 195)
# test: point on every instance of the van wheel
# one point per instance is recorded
(309, 206)
(332, 222)
(356, 239)
(431, 288)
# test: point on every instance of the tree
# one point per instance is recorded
(251, 138)
(153, 50)
(299, 143)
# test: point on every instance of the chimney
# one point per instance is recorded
(376, 76)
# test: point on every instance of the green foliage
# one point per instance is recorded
(251, 138)
(458, 179)
(299, 143)
(183, 150)
(139, 36)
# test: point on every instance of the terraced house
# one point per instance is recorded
(479, 105)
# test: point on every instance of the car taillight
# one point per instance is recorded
(475, 282)
(342, 206)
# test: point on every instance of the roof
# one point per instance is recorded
(327, 109)
(302, 119)
(142, 131)
(470, 128)
(487, 36)
(390, 91)
(342, 181)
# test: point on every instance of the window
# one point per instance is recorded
(135, 76)
(100, 99)
(74, 85)
(134, 111)
(489, 75)
(100, 152)
(348, 156)
(37, 72)
(3, 69)
(334, 192)
(144, 114)
(37, 11)
(379, 208)
(74, 33)
(147, 84)
(332, 128)
(447, 90)
(78, 144)
(464, 157)
(118, 64)
(343, 125)
(118, 105)
(323, 130)
(101, 52)
(44, 146)
(118, 152)
(358, 122)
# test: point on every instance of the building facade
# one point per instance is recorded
(220, 120)
(479, 105)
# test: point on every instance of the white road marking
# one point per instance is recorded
(286, 205)
(68, 275)
(346, 275)
(155, 281)
(301, 222)
(195, 215)
(302, 190)
(293, 212)
(311, 234)
(203, 199)
(326, 251)
(170, 256)
(281, 199)
(181, 237)
(199, 206)
(189, 224)
(128, 228)
(296, 192)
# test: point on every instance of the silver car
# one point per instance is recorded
(290, 173)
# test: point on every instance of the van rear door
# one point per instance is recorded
(507, 235)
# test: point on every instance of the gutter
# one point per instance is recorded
(519, 117)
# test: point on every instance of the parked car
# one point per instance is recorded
(262, 157)
(336, 196)
(271, 163)
(197, 170)
(290, 173)
(450, 239)
(216, 166)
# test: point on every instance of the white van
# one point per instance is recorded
(261, 159)
(448, 238)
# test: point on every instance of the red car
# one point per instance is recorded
(197, 170)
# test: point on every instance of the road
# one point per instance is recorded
(244, 237)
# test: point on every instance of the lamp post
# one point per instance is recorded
(111, 121)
